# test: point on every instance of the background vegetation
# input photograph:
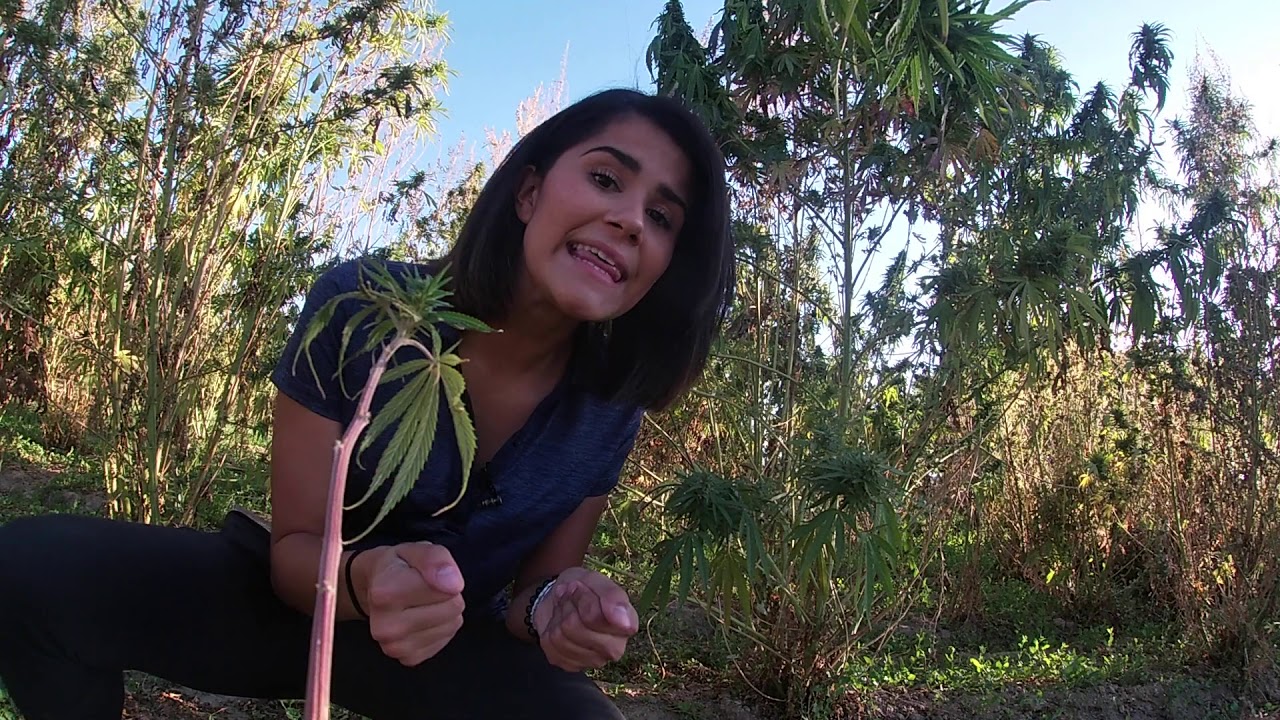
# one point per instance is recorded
(969, 429)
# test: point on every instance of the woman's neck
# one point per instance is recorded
(532, 339)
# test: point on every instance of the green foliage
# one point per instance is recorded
(1035, 660)
(396, 311)
(180, 156)
(1005, 435)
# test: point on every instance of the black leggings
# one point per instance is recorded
(82, 599)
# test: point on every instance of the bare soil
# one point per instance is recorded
(15, 478)
(1182, 698)
(40, 486)
(154, 700)
(1174, 699)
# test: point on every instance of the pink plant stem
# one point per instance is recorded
(320, 667)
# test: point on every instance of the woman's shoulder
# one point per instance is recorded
(594, 413)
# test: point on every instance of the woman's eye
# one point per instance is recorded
(661, 218)
(604, 180)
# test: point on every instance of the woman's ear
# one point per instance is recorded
(527, 195)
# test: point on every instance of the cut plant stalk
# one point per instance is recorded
(396, 311)
(320, 668)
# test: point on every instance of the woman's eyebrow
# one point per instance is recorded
(632, 164)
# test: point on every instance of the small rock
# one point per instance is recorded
(734, 709)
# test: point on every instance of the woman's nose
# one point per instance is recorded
(628, 216)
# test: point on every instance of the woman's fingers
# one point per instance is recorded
(572, 641)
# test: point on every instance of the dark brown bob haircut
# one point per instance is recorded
(652, 354)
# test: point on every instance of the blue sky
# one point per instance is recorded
(501, 50)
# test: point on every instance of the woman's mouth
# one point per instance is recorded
(598, 261)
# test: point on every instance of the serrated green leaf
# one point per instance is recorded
(427, 415)
(744, 598)
(850, 11)
(723, 575)
(840, 541)
(465, 432)
(906, 22)
(405, 368)
(347, 331)
(383, 330)
(948, 59)
(895, 80)
(395, 408)
(1143, 310)
(825, 19)
(686, 569)
(858, 28)
(868, 582)
(411, 457)
(943, 13)
(700, 558)
(398, 409)
(658, 587)
(463, 322)
(319, 320)
(818, 530)
(823, 580)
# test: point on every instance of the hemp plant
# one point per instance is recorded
(399, 312)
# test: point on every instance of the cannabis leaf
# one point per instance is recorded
(397, 312)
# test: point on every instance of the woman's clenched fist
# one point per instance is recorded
(413, 595)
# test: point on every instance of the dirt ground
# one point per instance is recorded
(157, 702)
(1174, 699)
(1177, 699)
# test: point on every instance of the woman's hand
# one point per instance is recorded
(413, 595)
(585, 622)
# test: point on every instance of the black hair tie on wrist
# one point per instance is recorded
(351, 588)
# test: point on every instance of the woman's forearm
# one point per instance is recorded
(295, 565)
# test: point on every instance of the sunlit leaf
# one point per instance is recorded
(455, 386)
(462, 322)
(410, 445)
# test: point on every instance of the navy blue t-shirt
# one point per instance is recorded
(572, 447)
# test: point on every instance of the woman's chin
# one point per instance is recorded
(582, 308)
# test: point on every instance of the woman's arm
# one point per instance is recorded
(301, 461)
(564, 548)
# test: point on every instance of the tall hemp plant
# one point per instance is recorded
(1033, 269)
(1144, 467)
(1221, 481)
(834, 116)
(59, 83)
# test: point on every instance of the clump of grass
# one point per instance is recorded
(923, 661)
(1021, 639)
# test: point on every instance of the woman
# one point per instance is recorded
(600, 249)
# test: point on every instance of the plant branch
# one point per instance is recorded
(320, 668)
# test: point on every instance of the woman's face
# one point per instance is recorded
(602, 223)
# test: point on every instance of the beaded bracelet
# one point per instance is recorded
(536, 597)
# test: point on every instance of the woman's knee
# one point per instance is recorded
(26, 540)
(47, 560)
(29, 581)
